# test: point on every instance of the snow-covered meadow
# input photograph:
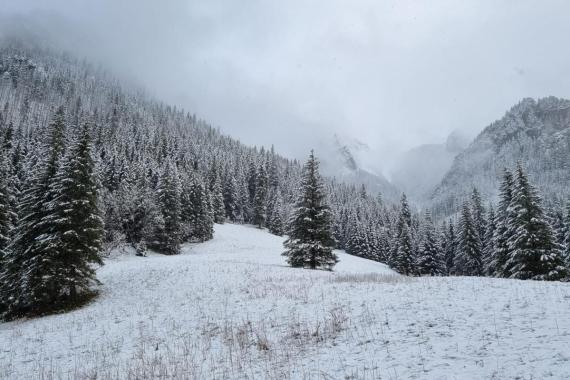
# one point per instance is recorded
(231, 308)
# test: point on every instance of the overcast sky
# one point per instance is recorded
(393, 74)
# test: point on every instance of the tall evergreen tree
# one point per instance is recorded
(402, 258)
(429, 261)
(26, 283)
(449, 247)
(76, 225)
(503, 217)
(6, 211)
(216, 196)
(488, 243)
(310, 240)
(567, 236)
(534, 253)
(469, 260)
(478, 213)
(231, 199)
(168, 236)
(200, 216)
(260, 199)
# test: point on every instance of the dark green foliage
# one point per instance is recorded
(469, 259)
(260, 198)
(216, 196)
(310, 239)
(402, 258)
(429, 260)
(496, 266)
(168, 236)
(534, 253)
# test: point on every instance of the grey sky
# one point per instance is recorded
(392, 74)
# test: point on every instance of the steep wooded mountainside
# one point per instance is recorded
(534, 132)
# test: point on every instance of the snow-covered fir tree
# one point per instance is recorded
(260, 198)
(501, 249)
(489, 244)
(534, 253)
(449, 247)
(469, 260)
(310, 242)
(168, 236)
(217, 197)
(429, 260)
(402, 257)
(76, 226)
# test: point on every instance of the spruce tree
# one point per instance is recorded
(496, 266)
(200, 216)
(26, 283)
(76, 225)
(216, 195)
(469, 260)
(567, 236)
(310, 242)
(275, 222)
(260, 198)
(231, 200)
(488, 243)
(6, 211)
(402, 258)
(449, 247)
(534, 253)
(168, 237)
(429, 261)
(478, 213)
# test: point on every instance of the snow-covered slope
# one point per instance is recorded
(231, 308)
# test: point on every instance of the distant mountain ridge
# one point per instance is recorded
(340, 159)
(419, 170)
(534, 132)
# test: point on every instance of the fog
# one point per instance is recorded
(392, 74)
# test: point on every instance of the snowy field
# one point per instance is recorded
(231, 308)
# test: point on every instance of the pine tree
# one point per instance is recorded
(76, 225)
(429, 260)
(168, 237)
(6, 210)
(26, 286)
(231, 200)
(567, 236)
(216, 196)
(478, 213)
(469, 259)
(310, 239)
(139, 213)
(534, 253)
(501, 236)
(402, 258)
(199, 209)
(275, 220)
(260, 201)
(449, 247)
(488, 244)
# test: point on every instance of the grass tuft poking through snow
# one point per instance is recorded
(231, 309)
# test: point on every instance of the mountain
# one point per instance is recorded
(419, 170)
(342, 159)
(534, 132)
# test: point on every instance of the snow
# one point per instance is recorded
(231, 308)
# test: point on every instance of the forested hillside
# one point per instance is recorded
(534, 132)
(89, 164)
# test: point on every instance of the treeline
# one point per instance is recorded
(516, 239)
